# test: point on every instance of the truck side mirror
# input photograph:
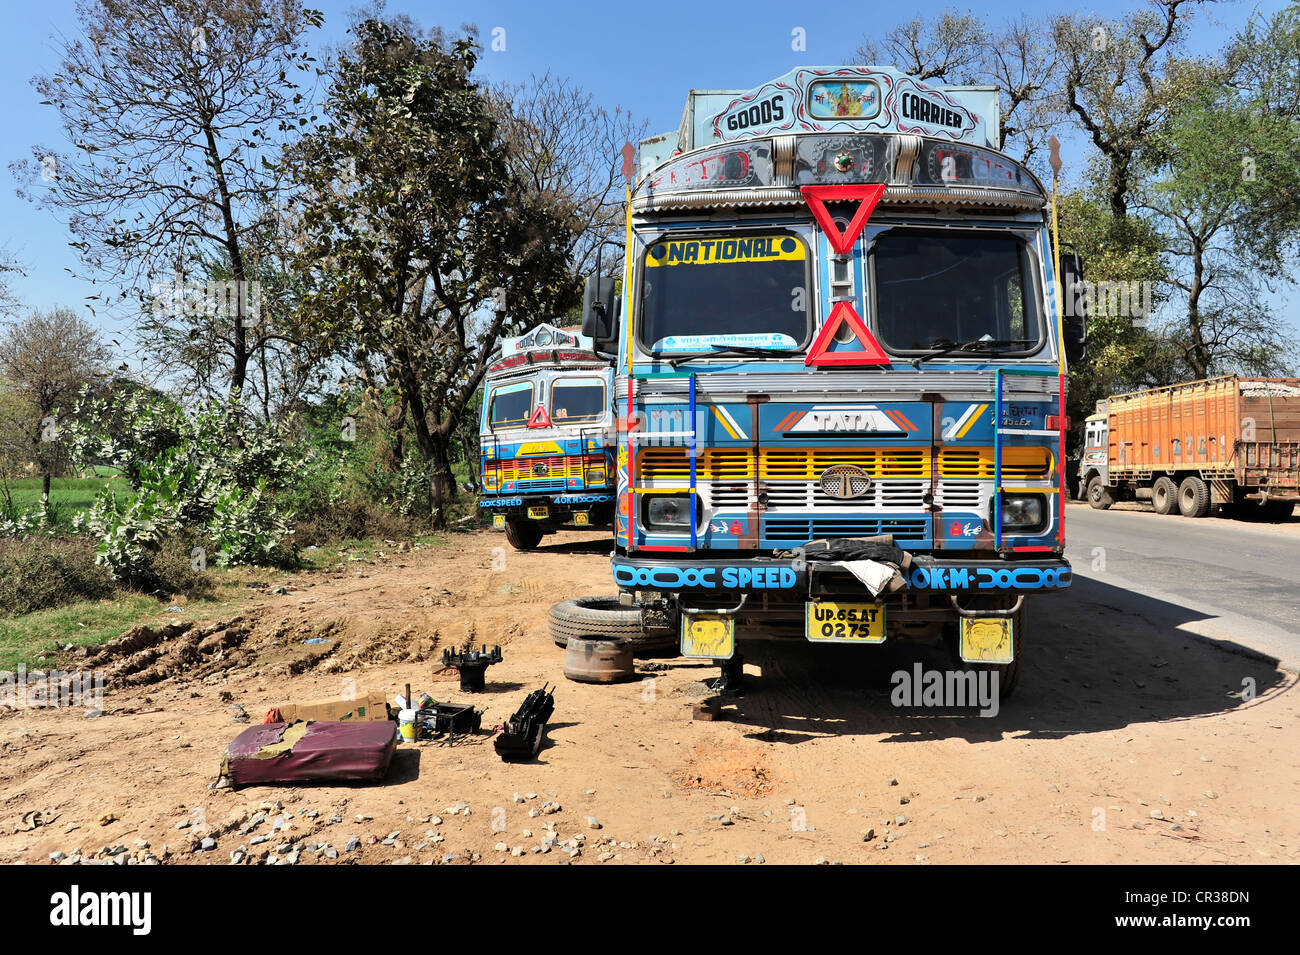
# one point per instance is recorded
(1074, 304)
(600, 313)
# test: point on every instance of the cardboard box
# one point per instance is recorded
(365, 708)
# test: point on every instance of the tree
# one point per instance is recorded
(172, 108)
(562, 144)
(189, 335)
(1125, 351)
(1114, 84)
(8, 266)
(959, 49)
(45, 360)
(1217, 168)
(423, 246)
(950, 48)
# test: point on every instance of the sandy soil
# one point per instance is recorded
(1127, 741)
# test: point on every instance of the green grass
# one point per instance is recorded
(88, 623)
(26, 639)
(67, 494)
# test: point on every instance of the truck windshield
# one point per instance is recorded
(936, 289)
(511, 405)
(573, 401)
(745, 291)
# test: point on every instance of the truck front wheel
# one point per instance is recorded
(1099, 495)
(523, 535)
(1164, 496)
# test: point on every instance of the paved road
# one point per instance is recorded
(1240, 583)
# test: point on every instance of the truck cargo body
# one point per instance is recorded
(1224, 441)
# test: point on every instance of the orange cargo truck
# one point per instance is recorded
(1228, 441)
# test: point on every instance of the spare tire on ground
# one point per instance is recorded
(598, 661)
(604, 618)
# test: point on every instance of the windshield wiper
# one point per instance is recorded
(978, 345)
(735, 351)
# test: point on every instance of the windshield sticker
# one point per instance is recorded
(770, 248)
(705, 342)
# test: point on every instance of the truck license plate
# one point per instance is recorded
(829, 621)
(538, 513)
(708, 636)
(986, 639)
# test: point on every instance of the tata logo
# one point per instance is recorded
(844, 482)
(541, 469)
(854, 419)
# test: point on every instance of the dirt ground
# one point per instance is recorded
(1127, 741)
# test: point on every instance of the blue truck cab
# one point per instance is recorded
(840, 377)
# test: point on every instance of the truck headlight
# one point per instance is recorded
(668, 511)
(491, 480)
(1022, 511)
(596, 477)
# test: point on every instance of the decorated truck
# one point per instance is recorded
(1229, 442)
(546, 436)
(840, 373)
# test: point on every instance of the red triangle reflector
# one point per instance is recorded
(867, 197)
(540, 418)
(863, 350)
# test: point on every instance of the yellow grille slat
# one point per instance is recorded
(1018, 464)
(569, 466)
(737, 464)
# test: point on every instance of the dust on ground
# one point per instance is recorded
(1128, 740)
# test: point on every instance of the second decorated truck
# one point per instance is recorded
(546, 436)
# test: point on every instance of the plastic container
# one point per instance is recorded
(406, 726)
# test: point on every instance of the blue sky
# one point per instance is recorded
(643, 57)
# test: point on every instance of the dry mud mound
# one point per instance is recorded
(194, 651)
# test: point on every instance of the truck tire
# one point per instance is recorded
(523, 535)
(1099, 495)
(598, 661)
(1193, 497)
(1164, 495)
(604, 618)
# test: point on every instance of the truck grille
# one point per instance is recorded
(550, 467)
(807, 464)
(791, 476)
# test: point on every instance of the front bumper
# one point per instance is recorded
(796, 579)
(520, 502)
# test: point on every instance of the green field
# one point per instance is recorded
(26, 639)
(66, 494)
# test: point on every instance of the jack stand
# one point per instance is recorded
(731, 681)
(472, 665)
